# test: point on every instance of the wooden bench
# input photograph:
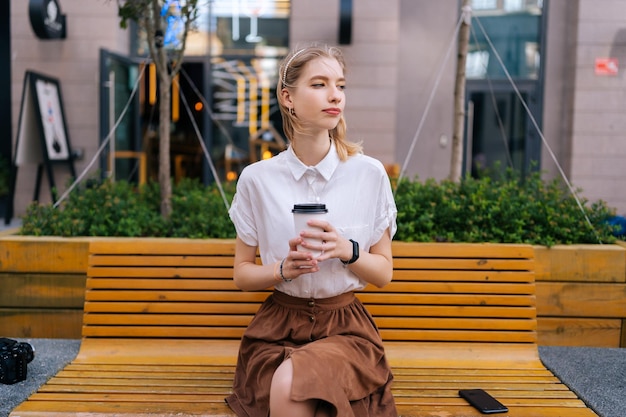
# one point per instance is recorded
(162, 322)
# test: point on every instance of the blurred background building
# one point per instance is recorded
(554, 64)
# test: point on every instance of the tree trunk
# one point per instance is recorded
(165, 179)
(456, 163)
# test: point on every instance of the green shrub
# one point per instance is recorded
(122, 209)
(504, 209)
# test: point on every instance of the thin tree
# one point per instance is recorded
(456, 162)
(162, 21)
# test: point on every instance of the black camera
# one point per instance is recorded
(14, 356)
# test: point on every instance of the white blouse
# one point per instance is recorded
(357, 194)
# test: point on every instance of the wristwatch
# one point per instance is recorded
(355, 253)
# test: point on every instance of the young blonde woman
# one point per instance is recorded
(312, 348)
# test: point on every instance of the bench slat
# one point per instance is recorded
(131, 273)
(447, 299)
(463, 264)
(184, 283)
(402, 287)
(221, 320)
(471, 250)
(163, 246)
(458, 275)
(196, 296)
(123, 260)
(193, 332)
(206, 307)
(218, 307)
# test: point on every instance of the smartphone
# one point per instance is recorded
(482, 401)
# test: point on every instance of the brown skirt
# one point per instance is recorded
(336, 350)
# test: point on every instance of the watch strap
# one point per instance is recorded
(355, 253)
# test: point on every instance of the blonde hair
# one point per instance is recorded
(289, 71)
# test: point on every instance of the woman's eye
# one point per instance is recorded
(341, 87)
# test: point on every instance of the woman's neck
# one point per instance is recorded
(311, 149)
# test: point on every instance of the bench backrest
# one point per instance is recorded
(183, 288)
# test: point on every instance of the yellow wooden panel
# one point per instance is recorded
(435, 311)
(166, 368)
(577, 299)
(42, 290)
(187, 281)
(163, 320)
(162, 260)
(175, 296)
(455, 323)
(166, 246)
(421, 287)
(159, 272)
(150, 352)
(164, 332)
(173, 307)
(458, 336)
(543, 263)
(463, 264)
(559, 331)
(49, 255)
(461, 250)
(588, 263)
(458, 275)
(446, 299)
(41, 323)
(41, 406)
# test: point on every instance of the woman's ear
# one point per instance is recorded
(285, 98)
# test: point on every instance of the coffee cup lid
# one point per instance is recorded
(309, 208)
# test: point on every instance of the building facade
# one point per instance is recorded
(566, 77)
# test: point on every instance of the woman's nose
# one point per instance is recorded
(336, 94)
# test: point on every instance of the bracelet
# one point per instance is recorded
(281, 271)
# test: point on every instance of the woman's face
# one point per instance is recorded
(318, 97)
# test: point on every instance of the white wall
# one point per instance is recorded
(599, 111)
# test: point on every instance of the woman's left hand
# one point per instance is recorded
(328, 241)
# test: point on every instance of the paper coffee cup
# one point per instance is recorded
(303, 213)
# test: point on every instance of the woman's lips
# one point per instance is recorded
(333, 111)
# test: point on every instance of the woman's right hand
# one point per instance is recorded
(298, 263)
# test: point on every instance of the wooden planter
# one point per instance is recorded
(581, 290)
(581, 295)
(43, 286)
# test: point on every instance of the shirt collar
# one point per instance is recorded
(326, 167)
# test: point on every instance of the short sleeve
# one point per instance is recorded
(386, 211)
(241, 214)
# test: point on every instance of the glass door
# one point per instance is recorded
(505, 54)
(120, 123)
(500, 134)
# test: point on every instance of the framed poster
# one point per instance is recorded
(48, 101)
(42, 136)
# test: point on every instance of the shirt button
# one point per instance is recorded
(311, 303)
(311, 319)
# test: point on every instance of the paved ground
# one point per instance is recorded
(597, 375)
